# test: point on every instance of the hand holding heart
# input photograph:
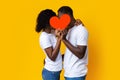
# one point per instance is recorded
(60, 23)
(57, 33)
(61, 34)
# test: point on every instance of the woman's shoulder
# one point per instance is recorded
(44, 35)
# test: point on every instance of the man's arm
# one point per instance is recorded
(78, 51)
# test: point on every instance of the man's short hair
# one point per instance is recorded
(66, 10)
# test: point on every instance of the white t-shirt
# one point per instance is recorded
(48, 40)
(73, 66)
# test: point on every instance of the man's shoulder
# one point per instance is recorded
(80, 28)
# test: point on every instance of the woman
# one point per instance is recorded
(50, 46)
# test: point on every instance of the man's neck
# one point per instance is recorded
(72, 23)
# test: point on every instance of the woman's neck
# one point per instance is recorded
(47, 30)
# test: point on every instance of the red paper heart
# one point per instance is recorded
(60, 23)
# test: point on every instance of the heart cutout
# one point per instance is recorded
(60, 23)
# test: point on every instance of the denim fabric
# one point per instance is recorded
(75, 78)
(50, 75)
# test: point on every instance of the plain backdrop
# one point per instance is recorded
(21, 57)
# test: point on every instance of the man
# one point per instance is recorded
(76, 56)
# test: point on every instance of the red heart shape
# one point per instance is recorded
(60, 23)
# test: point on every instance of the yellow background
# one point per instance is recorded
(21, 57)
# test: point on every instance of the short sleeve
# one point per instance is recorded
(45, 41)
(82, 37)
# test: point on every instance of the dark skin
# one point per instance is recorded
(78, 51)
(52, 53)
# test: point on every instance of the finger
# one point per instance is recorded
(63, 32)
(66, 31)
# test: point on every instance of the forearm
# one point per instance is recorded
(56, 50)
(76, 51)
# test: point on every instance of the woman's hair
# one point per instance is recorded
(43, 19)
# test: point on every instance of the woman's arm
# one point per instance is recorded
(52, 53)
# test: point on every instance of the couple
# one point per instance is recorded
(75, 37)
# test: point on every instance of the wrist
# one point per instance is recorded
(64, 39)
(58, 39)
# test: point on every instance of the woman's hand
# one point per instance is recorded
(57, 33)
(78, 22)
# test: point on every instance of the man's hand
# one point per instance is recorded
(64, 34)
